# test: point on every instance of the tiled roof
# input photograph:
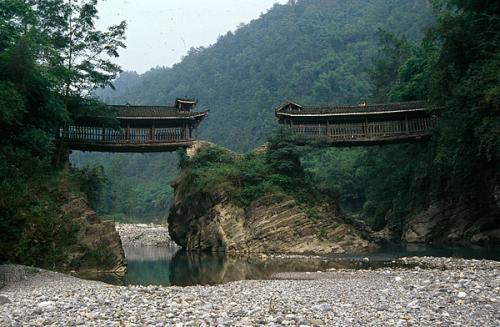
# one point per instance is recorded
(292, 108)
(157, 112)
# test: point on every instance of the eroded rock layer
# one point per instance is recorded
(273, 223)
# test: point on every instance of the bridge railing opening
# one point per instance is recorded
(124, 135)
(365, 130)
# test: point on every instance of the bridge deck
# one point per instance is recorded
(359, 125)
(86, 138)
(128, 147)
(366, 141)
(140, 129)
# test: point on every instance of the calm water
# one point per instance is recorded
(170, 266)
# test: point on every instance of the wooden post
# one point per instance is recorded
(153, 136)
(406, 124)
(127, 133)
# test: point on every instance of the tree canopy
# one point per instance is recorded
(51, 58)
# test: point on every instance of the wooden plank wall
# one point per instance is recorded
(365, 130)
(124, 136)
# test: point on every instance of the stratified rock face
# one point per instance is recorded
(99, 246)
(454, 224)
(274, 223)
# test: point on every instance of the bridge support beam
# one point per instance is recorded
(60, 158)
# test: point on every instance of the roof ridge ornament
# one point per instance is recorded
(185, 104)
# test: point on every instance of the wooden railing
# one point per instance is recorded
(366, 130)
(124, 136)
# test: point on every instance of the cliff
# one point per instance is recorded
(454, 223)
(208, 213)
(97, 246)
(273, 223)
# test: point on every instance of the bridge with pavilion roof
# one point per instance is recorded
(168, 128)
(360, 125)
(142, 129)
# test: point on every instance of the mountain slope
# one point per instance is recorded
(311, 51)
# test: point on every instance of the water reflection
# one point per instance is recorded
(171, 266)
(167, 266)
(189, 268)
(149, 265)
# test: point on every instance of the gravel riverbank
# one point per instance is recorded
(442, 292)
(140, 235)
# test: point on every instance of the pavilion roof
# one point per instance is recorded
(154, 112)
(295, 109)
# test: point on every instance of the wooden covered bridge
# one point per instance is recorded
(362, 124)
(142, 129)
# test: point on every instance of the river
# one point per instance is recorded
(169, 266)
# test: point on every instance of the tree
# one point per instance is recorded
(79, 55)
(51, 58)
(393, 52)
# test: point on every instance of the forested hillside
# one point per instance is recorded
(315, 51)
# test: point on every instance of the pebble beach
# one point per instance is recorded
(433, 292)
(140, 235)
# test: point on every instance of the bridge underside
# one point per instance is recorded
(128, 139)
(364, 141)
(128, 147)
(345, 126)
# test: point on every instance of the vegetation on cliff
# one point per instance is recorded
(273, 169)
(262, 201)
(51, 58)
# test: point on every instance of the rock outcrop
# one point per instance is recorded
(273, 223)
(99, 247)
(452, 223)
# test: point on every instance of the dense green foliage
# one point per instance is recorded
(246, 178)
(457, 66)
(45, 72)
(128, 191)
(312, 51)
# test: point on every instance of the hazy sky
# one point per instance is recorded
(160, 32)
